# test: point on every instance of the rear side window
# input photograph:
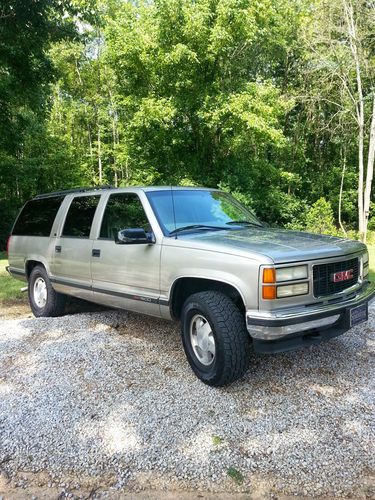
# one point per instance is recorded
(37, 217)
(80, 216)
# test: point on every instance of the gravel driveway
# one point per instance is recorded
(105, 402)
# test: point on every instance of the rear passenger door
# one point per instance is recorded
(126, 276)
(71, 263)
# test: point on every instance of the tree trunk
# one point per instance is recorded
(90, 143)
(126, 170)
(351, 26)
(99, 155)
(98, 111)
(114, 136)
(360, 182)
(341, 191)
(370, 171)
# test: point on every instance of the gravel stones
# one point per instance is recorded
(110, 394)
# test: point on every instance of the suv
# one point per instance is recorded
(193, 254)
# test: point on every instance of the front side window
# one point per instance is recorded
(80, 216)
(198, 207)
(37, 217)
(123, 211)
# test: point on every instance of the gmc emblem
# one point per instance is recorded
(342, 276)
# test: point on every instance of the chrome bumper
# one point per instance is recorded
(274, 325)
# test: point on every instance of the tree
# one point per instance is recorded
(272, 100)
(27, 29)
(340, 79)
(200, 98)
(319, 219)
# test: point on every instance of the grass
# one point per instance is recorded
(217, 440)
(371, 251)
(236, 475)
(10, 288)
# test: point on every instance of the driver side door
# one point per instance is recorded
(125, 275)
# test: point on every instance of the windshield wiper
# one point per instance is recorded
(238, 222)
(194, 226)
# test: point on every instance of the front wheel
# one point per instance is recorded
(215, 338)
(44, 300)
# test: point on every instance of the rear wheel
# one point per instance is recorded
(44, 300)
(215, 338)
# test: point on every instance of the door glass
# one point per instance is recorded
(80, 216)
(123, 211)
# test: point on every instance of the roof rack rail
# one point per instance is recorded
(75, 190)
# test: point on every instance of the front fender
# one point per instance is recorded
(240, 272)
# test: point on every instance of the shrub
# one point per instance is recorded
(319, 218)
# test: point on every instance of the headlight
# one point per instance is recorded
(365, 258)
(365, 264)
(272, 277)
(291, 273)
(292, 290)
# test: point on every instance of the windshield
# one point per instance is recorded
(199, 210)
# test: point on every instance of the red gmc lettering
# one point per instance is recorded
(343, 276)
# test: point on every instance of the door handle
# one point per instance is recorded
(95, 252)
(58, 249)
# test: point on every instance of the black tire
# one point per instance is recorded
(55, 302)
(232, 341)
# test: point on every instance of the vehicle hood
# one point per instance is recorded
(280, 245)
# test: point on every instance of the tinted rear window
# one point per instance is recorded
(80, 215)
(37, 217)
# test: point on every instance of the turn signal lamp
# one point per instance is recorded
(269, 292)
(269, 277)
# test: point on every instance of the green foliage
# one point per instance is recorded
(192, 110)
(236, 475)
(371, 250)
(10, 289)
(226, 93)
(217, 440)
(371, 239)
(319, 219)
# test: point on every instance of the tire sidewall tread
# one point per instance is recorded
(55, 304)
(231, 337)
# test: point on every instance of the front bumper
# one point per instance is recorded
(287, 329)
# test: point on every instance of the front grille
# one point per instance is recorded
(322, 276)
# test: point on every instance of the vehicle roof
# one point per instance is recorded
(95, 189)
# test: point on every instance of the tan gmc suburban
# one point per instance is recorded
(192, 254)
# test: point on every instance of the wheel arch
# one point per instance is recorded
(184, 286)
(31, 263)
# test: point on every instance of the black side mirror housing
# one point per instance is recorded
(134, 236)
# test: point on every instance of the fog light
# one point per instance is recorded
(292, 290)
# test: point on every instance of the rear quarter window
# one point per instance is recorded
(37, 217)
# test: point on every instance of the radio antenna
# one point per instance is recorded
(174, 213)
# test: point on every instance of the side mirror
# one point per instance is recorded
(134, 236)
